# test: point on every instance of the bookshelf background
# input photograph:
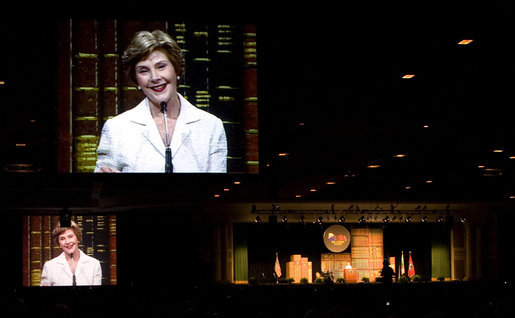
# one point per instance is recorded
(220, 77)
(98, 241)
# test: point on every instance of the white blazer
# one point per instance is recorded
(56, 272)
(130, 142)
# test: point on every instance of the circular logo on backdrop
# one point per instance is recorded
(337, 238)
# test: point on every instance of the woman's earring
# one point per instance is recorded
(178, 78)
(139, 88)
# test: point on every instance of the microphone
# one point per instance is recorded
(74, 281)
(168, 151)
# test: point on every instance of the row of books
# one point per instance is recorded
(299, 267)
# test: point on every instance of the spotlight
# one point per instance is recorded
(284, 219)
(440, 219)
(319, 220)
(408, 219)
(386, 219)
(362, 219)
(463, 219)
(258, 219)
(424, 219)
(341, 219)
(301, 220)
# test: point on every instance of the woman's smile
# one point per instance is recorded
(158, 88)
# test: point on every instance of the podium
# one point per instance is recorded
(350, 275)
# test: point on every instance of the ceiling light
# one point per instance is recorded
(400, 155)
(424, 219)
(284, 219)
(498, 150)
(408, 76)
(313, 190)
(298, 196)
(236, 182)
(330, 183)
(465, 42)
(258, 219)
(341, 219)
(283, 154)
(373, 166)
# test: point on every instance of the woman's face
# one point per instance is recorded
(68, 242)
(156, 77)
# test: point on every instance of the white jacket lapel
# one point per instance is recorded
(142, 116)
(182, 129)
(65, 268)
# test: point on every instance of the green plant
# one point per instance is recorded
(416, 278)
(365, 280)
(290, 280)
(303, 280)
(403, 279)
(319, 280)
(340, 280)
(252, 280)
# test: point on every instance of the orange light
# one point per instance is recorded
(373, 166)
(498, 150)
(216, 195)
(408, 76)
(330, 183)
(400, 155)
(465, 42)
(283, 154)
(227, 190)
(298, 196)
(236, 182)
(313, 190)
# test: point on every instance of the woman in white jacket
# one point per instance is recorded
(72, 267)
(138, 140)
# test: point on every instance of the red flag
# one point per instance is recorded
(411, 267)
(277, 266)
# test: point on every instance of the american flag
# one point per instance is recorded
(277, 266)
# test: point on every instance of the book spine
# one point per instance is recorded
(36, 246)
(112, 251)
(250, 97)
(26, 250)
(85, 82)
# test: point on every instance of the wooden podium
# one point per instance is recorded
(350, 275)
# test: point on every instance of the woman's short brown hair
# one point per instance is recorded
(58, 230)
(143, 43)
